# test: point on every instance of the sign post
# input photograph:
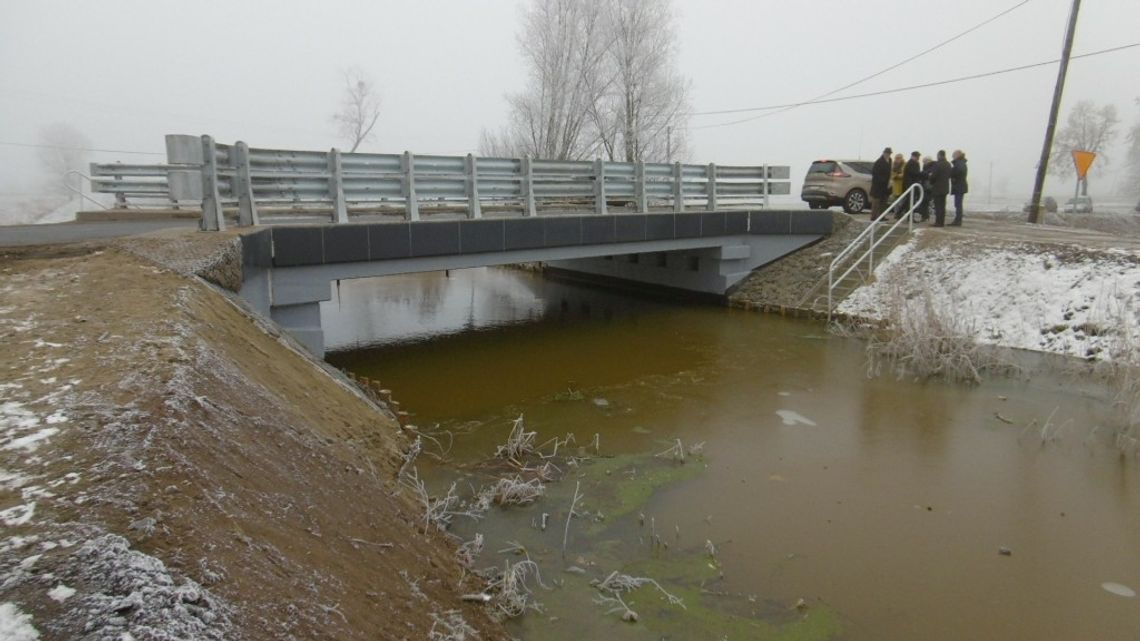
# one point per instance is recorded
(1082, 160)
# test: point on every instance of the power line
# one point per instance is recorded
(108, 151)
(877, 73)
(925, 85)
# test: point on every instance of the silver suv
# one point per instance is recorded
(838, 182)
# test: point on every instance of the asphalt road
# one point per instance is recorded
(18, 235)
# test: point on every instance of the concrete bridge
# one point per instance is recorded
(289, 270)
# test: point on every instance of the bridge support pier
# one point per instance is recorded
(302, 322)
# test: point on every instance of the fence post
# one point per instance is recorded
(678, 191)
(528, 186)
(474, 210)
(336, 187)
(599, 186)
(412, 206)
(639, 187)
(243, 187)
(712, 186)
(212, 218)
(767, 187)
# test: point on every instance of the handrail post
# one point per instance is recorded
(871, 248)
(336, 187)
(678, 191)
(712, 186)
(472, 171)
(411, 205)
(212, 218)
(528, 186)
(639, 187)
(767, 187)
(599, 186)
(243, 187)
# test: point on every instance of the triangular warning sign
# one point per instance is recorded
(1083, 160)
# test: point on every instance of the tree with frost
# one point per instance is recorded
(1132, 159)
(61, 148)
(359, 109)
(563, 46)
(1088, 128)
(642, 115)
(601, 81)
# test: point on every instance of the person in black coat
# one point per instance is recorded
(880, 184)
(912, 174)
(958, 185)
(927, 188)
(940, 187)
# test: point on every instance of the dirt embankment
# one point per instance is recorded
(172, 468)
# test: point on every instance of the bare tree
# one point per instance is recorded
(645, 112)
(62, 148)
(1132, 159)
(563, 46)
(359, 109)
(1088, 128)
(602, 80)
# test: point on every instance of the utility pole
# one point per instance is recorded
(669, 143)
(1043, 165)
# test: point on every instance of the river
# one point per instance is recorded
(836, 505)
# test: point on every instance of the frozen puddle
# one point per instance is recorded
(794, 418)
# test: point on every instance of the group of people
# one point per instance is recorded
(891, 177)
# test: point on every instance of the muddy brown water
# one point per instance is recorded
(887, 504)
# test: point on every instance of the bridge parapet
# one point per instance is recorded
(265, 186)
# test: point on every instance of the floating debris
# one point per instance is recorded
(1119, 589)
(794, 418)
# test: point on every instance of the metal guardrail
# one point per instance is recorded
(867, 238)
(261, 182)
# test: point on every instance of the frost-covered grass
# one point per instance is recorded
(1024, 296)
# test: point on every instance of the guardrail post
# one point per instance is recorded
(336, 187)
(528, 186)
(712, 186)
(767, 187)
(411, 204)
(678, 191)
(212, 218)
(473, 208)
(599, 186)
(639, 187)
(243, 186)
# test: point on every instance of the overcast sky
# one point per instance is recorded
(127, 72)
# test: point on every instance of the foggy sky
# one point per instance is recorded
(127, 72)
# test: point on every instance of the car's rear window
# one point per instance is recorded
(861, 167)
(821, 167)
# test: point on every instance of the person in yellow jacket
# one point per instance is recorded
(898, 168)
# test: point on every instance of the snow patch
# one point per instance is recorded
(129, 592)
(16, 625)
(18, 515)
(61, 593)
(1017, 296)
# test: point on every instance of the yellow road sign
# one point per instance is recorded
(1083, 160)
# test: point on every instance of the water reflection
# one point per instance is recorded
(891, 508)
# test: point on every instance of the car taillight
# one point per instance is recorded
(838, 174)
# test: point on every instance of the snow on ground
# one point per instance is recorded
(15, 625)
(1038, 297)
(101, 584)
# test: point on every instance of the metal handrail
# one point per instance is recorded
(79, 191)
(916, 194)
